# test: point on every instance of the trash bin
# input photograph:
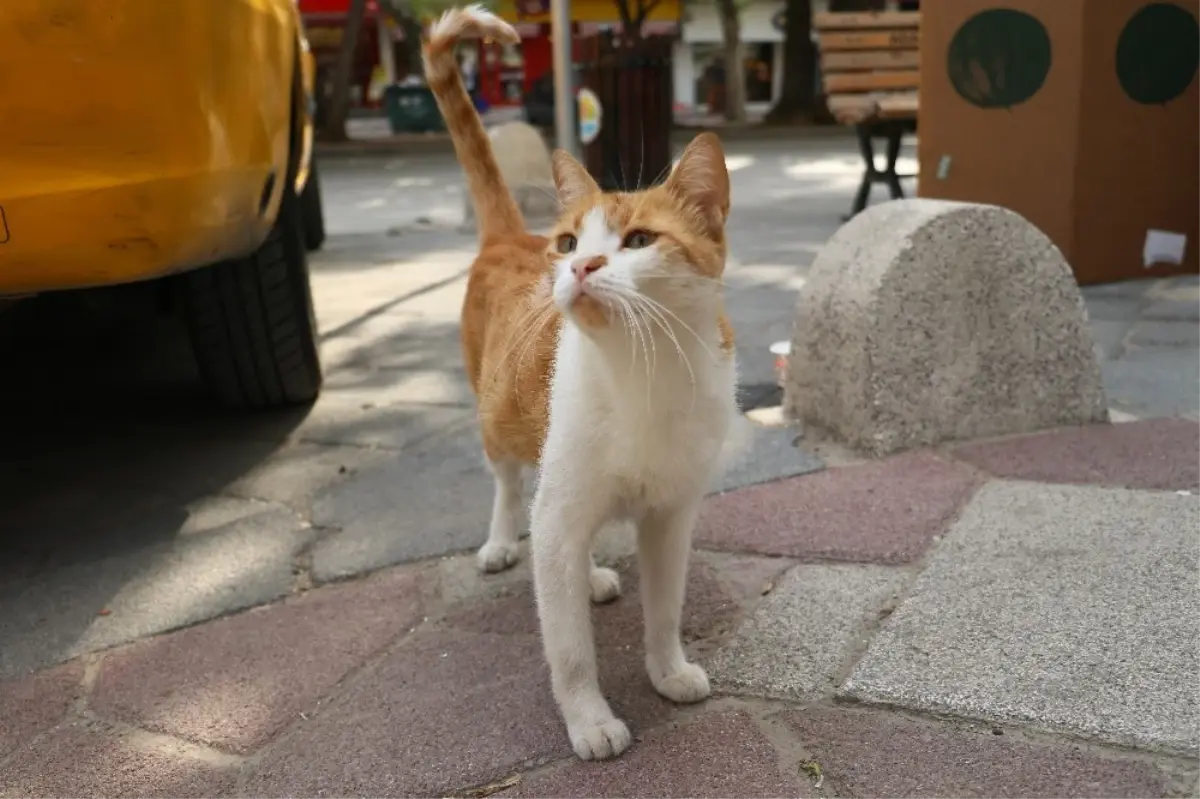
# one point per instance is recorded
(412, 109)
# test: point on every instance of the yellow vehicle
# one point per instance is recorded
(169, 140)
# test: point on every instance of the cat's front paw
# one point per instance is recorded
(496, 556)
(599, 741)
(686, 684)
(605, 583)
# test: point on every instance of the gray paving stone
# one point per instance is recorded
(1166, 334)
(1064, 607)
(424, 503)
(1154, 382)
(1113, 307)
(1109, 335)
(799, 637)
(1173, 310)
(770, 453)
(94, 605)
(1128, 289)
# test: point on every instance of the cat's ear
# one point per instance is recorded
(571, 179)
(702, 181)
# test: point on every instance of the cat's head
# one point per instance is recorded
(622, 253)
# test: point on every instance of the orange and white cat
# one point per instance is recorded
(601, 356)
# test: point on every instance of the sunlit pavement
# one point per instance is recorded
(132, 509)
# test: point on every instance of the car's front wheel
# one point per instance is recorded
(311, 209)
(251, 320)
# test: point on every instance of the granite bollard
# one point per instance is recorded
(925, 321)
(524, 161)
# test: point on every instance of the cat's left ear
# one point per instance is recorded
(702, 180)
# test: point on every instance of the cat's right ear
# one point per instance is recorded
(571, 179)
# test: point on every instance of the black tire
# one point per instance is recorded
(251, 321)
(311, 210)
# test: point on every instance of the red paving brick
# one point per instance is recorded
(233, 683)
(1154, 454)
(90, 760)
(446, 710)
(876, 753)
(719, 755)
(709, 609)
(887, 511)
(36, 703)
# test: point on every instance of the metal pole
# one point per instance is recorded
(564, 90)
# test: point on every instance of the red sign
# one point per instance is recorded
(334, 8)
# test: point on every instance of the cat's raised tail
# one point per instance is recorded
(496, 211)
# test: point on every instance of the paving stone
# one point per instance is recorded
(90, 606)
(1166, 334)
(1158, 453)
(748, 578)
(361, 417)
(709, 610)
(1128, 289)
(1154, 382)
(36, 703)
(770, 453)
(1173, 310)
(1065, 607)
(235, 682)
(1113, 307)
(1109, 336)
(887, 511)
(425, 502)
(446, 710)
(796, 642)
(874, 753)
(296, 473)
(90, 760)
(720, 755)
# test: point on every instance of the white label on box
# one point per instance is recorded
(1163, 247)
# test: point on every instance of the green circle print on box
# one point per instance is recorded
(1157, 53)
(999, 58)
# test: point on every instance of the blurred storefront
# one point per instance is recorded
(699, 65)
(380, 48)
(508, 72)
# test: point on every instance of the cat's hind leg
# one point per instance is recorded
(605, 583)
(502, 550)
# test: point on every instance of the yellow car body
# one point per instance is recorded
(139, 138)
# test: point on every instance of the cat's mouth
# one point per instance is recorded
(588, 309)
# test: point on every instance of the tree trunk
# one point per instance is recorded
(339, 101)
(402, 15)
(633, 18)
(735, 65)
(796, 102)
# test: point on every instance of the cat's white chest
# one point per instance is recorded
(654, 439)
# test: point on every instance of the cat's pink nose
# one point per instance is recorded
(584, 268)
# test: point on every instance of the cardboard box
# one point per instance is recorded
(1081, 115)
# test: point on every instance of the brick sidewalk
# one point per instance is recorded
(1005, 618)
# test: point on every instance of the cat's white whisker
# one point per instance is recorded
(664, 309)
(655, 315)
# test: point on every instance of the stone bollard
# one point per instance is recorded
(524, 161)
(925, 321)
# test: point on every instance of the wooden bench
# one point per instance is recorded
(869, 68)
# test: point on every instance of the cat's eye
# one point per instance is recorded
(566, 243)
(637, 239)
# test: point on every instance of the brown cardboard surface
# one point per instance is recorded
(1078, 158)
